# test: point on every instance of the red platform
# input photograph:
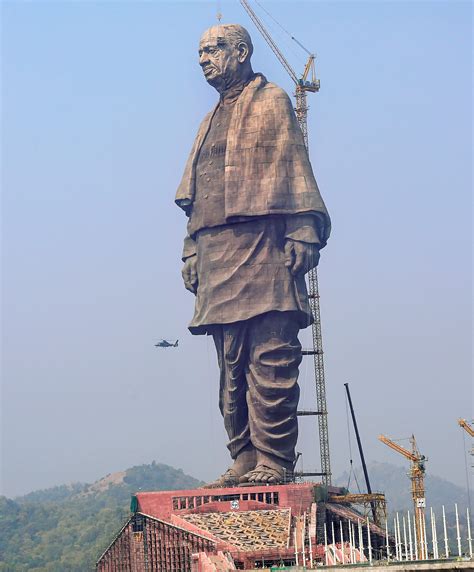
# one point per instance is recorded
(208, 530)
(271, 523)
(164, 504)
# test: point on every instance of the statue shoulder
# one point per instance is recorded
(272, 91)
(206, 119)
(208, 115)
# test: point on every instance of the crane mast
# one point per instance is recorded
(302, 86)
(417, 477)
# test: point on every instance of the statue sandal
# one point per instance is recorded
(263, 474)
(229, 479)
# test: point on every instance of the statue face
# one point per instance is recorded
(219, 61)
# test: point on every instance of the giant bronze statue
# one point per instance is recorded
(256, 225)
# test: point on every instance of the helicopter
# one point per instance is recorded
(166, 344)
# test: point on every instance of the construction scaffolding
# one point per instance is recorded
(365, 503)
(148, 543)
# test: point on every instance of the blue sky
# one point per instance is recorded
(100, 104)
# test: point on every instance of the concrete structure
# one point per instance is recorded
(202, 530)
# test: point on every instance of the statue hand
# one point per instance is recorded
(301, 257)
(189, 274)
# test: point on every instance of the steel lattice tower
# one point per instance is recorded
(301, 110)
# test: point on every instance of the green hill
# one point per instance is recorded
(66, 528)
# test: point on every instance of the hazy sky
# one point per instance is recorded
(101, 102)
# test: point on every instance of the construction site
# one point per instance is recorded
(296, 526)
(300, 524)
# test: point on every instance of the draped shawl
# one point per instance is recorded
(267, 168)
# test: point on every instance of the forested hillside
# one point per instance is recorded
(66, 528)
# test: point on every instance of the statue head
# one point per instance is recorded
(224, 55)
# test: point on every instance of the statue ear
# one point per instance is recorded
(243, 50)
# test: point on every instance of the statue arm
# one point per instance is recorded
(301, 243)
(189, 248)
(189, 271)
(303, 228)
(185, 193)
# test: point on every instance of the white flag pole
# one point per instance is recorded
(469, 538)
(325, 545)
(410, 539)
(342, 543)
(369, 540)
(457, 531)
(387, 540)
(446, 545)
(405, 538)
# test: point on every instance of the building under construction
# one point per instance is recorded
(243, 528)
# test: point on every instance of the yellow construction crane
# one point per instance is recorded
(465, 425)
(470, 431)
(417, 476)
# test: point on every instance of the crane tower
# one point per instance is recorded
(417, 477)
(303, 85)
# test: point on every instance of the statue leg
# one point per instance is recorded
(273, 394)
(231, 350)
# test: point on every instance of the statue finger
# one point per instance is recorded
(289, 254)
(191, 286)
(300, 263)
(313, 258)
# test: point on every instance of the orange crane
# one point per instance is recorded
(303, 84)
(417, 476)
(470, 431)
(465, 425)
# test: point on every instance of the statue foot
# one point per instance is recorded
(263, 474)
(269, 470)
(229, 479)
(245, 461)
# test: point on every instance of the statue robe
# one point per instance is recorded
(269, 194)
(267, 168)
